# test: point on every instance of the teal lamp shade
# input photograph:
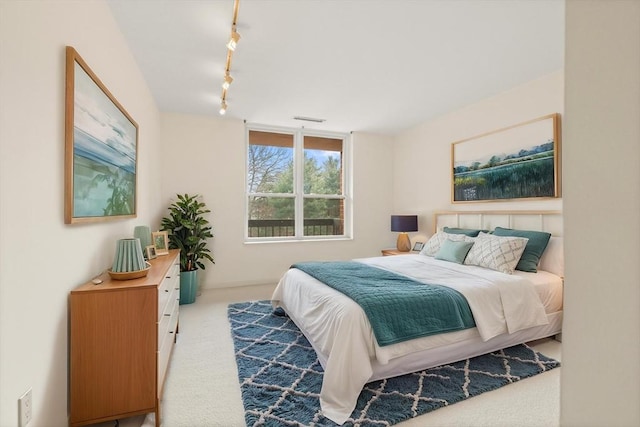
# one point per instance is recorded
(128, 256)
(143, 232)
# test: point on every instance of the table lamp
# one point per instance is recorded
(404, 224)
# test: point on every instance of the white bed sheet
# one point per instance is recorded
(548, 286)
(341, 334)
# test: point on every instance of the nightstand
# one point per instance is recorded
(389, 252)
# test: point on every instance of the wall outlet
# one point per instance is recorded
(24, 409)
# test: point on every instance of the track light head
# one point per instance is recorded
(235, 37)
(227, 81)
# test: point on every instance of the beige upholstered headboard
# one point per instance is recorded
(549, 221)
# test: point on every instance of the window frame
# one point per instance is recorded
(298, 184)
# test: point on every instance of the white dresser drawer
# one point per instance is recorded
(164, 353)
(172, 274)
(168, 285)
(170, 311)
(163, 330)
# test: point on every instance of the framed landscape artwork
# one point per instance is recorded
(101, 149)
(517, 162)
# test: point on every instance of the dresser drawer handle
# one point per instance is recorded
(167, 314)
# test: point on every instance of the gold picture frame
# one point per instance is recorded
(151, 252)
(160, 242)
(514, 163)
(101, 149)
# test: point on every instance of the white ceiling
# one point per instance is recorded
(363, 65)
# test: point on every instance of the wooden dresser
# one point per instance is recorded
(120, 341)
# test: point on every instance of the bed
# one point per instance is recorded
(508, 308)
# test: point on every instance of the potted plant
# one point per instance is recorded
(188, 231)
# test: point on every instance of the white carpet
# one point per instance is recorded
(202, 386)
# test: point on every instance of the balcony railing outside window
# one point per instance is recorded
(286, 227)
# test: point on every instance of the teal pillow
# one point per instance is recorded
(536, 245)
(471, 232)
(453, 251)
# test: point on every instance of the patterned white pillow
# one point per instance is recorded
(433, 244)
(496, 252)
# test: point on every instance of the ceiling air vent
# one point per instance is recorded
(309, 119)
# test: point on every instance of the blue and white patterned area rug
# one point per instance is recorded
(280, 376)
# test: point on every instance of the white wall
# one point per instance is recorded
(206, 155)
(422, 156)
(601, 339)
(41, 258)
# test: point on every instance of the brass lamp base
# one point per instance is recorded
(403, 244)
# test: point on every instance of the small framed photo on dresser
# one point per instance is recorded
(161, 242)
(151, 252)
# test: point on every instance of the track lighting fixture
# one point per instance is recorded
(231, 47)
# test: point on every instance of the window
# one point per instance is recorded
(296, 184)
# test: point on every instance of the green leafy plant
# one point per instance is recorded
(188, 231)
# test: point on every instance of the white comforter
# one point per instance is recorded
(341, 334)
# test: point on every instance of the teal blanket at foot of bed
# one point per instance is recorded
(398, 307)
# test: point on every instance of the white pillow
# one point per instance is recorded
(496, 252)
(433, 244)
(552, 259)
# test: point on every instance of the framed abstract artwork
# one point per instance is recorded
(514, 163)
(101, 149)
